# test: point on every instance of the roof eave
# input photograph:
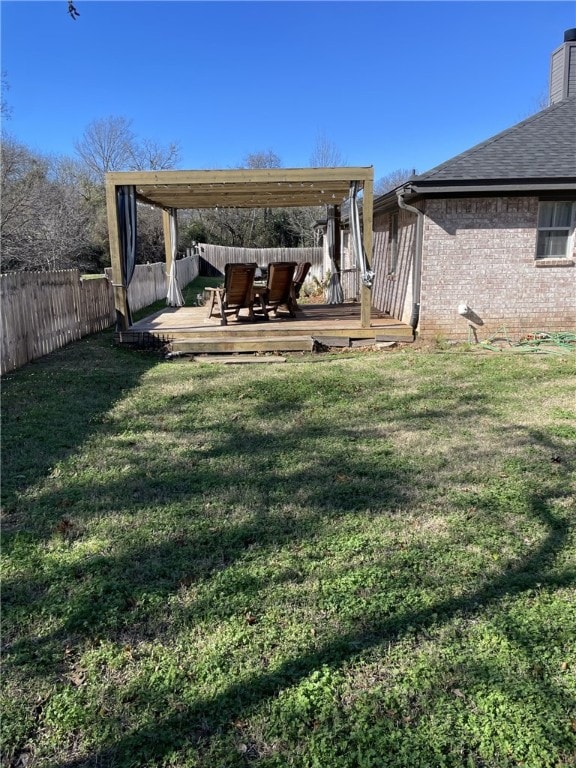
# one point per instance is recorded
(492, 185)
(415, 190)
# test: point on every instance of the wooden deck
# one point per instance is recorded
(188, 330)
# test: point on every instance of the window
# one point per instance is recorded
(393, 244)
(555, 228)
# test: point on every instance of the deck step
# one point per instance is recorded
(275, 344)
(401, 337)
(332, 341)
(241, 359)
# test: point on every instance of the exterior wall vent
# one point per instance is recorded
(563, 69)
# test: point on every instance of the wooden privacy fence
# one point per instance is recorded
(44, 311)
(150, 280)
(350, 282)
(214, 257)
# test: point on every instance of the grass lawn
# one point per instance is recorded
(348, 561)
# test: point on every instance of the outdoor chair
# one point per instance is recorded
(237, 292)
(300, 274)
(279, 290)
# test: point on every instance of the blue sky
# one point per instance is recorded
(389, 84)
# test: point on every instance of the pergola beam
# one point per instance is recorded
(243, 176)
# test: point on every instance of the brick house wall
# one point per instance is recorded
(480, 251)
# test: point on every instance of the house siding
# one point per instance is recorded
(563, 73)
(480, 251)
(392, 291)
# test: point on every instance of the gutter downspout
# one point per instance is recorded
(417, 259)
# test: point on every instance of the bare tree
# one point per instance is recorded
(5, 109)
(392, 180)
(90, 197)
(61, 232)
(538, 104)
(148, 155)
(110, 144)
(22, 177)
(267, 159)
(150, 246)
(106, 145)
(53, 210)
(43, 223)
(325, 154)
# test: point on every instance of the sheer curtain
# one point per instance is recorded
(126, 204)
(174, 297)
(366, 274)
(334, 292)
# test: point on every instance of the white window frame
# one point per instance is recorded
(569, 230)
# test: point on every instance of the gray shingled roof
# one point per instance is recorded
(542, 147)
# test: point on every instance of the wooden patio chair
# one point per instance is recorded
(279, 290)
(237, 292)
(300, 274)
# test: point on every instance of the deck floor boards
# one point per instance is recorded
(188, 324)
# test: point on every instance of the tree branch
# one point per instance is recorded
(72, 10)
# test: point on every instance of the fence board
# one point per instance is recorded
(215, 257)
(43, 311)
(14, 337)
(150, 281)
(97, 305)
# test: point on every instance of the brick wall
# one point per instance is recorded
(480, 251)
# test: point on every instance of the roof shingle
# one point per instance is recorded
(540, 147)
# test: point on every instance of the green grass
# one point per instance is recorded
(349, 561)
(190, 294)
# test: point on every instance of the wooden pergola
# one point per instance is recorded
(261, 188)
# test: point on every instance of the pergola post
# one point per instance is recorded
(118, 276)
(367, 223)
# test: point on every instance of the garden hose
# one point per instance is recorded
(539, 341)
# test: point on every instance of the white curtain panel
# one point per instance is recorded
(366, 275)
(174, 297)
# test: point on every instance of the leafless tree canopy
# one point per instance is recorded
(106, 146)
(325, 154)
(392, 180)
(5, 109)
(110, 144)
(53, 209)
(267, 159)
(148, 155)
(43, 222)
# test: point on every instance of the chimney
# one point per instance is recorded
(563, 69)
